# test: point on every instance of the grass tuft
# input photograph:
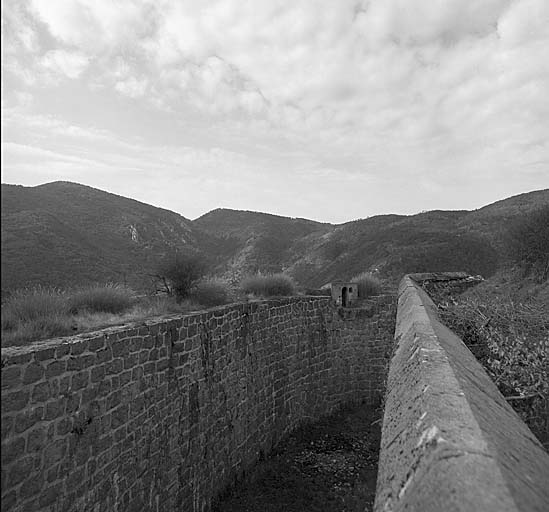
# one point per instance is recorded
(368, 285)
(108, 298)
(211, 293)
(271, 285)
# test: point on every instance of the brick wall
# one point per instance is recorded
(165, 415)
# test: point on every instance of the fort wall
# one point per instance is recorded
(165, 415)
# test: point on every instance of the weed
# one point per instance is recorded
(368, 285)
(270, 285)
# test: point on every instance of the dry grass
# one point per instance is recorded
(108, 298)
(368, 285)
(271, 285)
(41, 313)
(213, 292)
(510, 338)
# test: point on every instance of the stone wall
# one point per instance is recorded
(165, 415)
(450, 440)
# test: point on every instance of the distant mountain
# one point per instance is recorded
(262, 242)
(64, 234)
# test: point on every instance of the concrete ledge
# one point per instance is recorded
(450, 441)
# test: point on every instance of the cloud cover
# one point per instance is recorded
(390, 105)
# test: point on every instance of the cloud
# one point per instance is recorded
(132, 87)
(446, 89)
(69, 64)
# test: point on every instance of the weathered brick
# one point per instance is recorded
(44, 354)
(54, 452)
(12, 450)
(40, 392)
(79, 347)
(104, 355)
(32, 373)
(36, 439)
(54, 409)
(50, 494)
(7, 424)
(55, 369)
(80, 380)
(119, 416)
(11, 377)
(97, 373)
(120, 348)
(62, 350)
(115, 366)
(20, 470)
(28, 418)
(72, 403)
(30, 487)
(96, 344)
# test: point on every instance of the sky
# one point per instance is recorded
(323, 109)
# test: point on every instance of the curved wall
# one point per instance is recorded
(165, 415)
(450, 441)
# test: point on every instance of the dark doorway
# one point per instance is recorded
(344, 297)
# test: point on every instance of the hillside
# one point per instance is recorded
(63, 234)
(262, 242)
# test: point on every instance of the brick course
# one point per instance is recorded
(165, 415)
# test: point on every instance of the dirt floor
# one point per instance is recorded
(327, 466)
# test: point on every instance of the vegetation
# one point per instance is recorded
(367, 284)
(180, 274)
(528, 242)
(42, 313)
(511, 339)
(270, 285)
(211, 293)
(108, 298)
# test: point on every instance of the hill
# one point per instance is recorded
(261, 241)
(64, 234)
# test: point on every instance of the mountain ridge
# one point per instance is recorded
(65, 234)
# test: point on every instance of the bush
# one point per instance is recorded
(528, 242)
(31, 304)
(510, 339)
(100, 299)
(269, 286)
(367, 284)
(180, 274)
(211, 293)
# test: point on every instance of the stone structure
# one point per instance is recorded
(164, 415)
(344, 294)
(450, 441)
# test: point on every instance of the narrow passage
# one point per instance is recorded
(330, 466)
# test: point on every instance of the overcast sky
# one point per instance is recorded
(326, 109)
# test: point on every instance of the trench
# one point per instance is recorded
(328, 465)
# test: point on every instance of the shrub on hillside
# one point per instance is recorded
(180, 274)
(269, 285)
(100, 299)
(528, 242)
(511, 340)
(367, 284)
(210, 293)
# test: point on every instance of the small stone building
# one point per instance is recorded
(344, 294)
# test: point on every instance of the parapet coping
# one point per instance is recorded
(450, 441)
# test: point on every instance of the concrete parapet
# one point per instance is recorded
(450, 441)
